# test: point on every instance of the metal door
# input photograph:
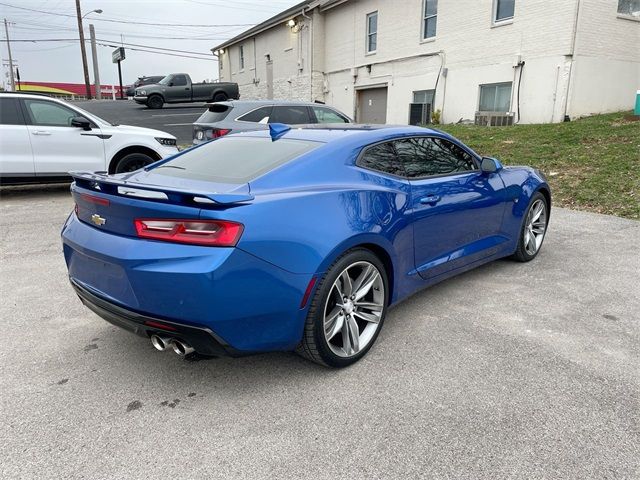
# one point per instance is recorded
(372, 106)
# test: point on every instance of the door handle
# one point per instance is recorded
(430, 199)
(41, 132)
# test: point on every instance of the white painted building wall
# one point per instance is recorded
(597, 70)
(607, 60)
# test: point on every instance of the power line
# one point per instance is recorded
(35, 40)
(117, 43)
(96, 19)
(49, 30)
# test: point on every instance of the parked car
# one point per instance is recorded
(222, 118)
(178, 88)
(43, 138)
(293, 239)
(131, 91)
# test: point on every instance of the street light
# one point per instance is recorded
(83, 51)
(97, 10)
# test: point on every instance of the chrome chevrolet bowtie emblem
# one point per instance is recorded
(98, 220)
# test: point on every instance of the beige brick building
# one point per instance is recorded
(534, 61)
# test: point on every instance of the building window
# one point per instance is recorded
(430, 19)
(424, 96)
(372, 32)
(495, 97)
(503, 10)
(629, 7)
(241, 57)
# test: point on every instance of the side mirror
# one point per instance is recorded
(490, 165)
(81, 122)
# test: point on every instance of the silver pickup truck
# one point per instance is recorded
(178, 88)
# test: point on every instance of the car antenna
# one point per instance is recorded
(276, 130)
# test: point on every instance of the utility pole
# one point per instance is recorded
(85, 68)
(94, 56)
(13, 80)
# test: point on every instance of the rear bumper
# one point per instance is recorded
(244, 302)
(203, 340)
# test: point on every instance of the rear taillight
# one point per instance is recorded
(213, 233)
(216, 133)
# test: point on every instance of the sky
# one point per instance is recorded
(192, 26)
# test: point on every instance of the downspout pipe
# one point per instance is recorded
(305, 16)
(572, 53)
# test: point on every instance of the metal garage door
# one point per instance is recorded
(372, 105)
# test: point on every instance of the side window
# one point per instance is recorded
(257, 115)
(42, 112)
(429, 156)
(383, 158)
(179, 81)
(291, 115)
(326, 115)
(10, 113)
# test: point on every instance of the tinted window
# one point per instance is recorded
(9, 112)
(215, 113)
(326, 115)
(235, 160)
(42, 112)
(290, 115)
(427, 156)
(257, 115)
(179, 81)
(382, 158)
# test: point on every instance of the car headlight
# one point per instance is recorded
(167, 141)
(141, 92)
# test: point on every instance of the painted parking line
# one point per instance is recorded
(176, 124)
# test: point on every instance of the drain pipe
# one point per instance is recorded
(574, 35)
(310, 30)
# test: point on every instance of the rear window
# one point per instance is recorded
(215, 113)
(10, 112)
(257, 115)
(234, 159)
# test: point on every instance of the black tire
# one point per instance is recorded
(155, 102)
(220, 97)
(133, 162)
(521, 254)
(314, 345)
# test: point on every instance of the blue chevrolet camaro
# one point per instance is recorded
(293, 239)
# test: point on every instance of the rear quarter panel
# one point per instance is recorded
(304, 229)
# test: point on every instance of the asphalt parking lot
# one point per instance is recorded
(177, 118)
(510, 371)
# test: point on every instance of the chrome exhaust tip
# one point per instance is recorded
(160, 343)
(181, 348)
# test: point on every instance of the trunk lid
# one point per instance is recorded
(112, 203)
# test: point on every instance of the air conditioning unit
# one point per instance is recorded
(494, 119)
(419, 113)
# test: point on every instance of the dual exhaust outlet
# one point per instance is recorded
(164, 343)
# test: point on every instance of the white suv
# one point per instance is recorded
(42, 139)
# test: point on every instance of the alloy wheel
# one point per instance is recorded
(354, 309)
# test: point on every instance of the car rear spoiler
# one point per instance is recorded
(104, 183)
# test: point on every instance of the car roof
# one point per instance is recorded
(331, 132)
(260, 103)
(25, 94)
